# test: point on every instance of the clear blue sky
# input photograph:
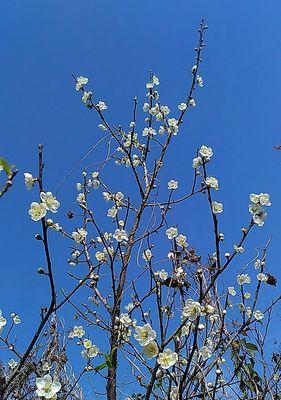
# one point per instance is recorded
(115, 43)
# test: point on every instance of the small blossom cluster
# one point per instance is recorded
(258, 201)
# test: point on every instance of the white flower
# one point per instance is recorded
(102, 106)
(262, 277)
(12, 363)
(50, 201)
(258, 315)
(205, 352)
(102, 127)
(238, 249)
(231, 291)
(206, 152)
(147, 255)
(155, 80)
(243, 278)
(172, 184)
(81, 198)
(197, 161)
(86, 96)
(47, 388)
(259, 218)
(29, 180)
(212, 182)
(199, 80)
(181, 240)
(172, 232)
(125, 320)
(91, 350)
(162, 274)
(217, 207)
(120, 235)
(129, 307)
(151, 349)
(100, 256)
(144, 334)
(182, 106)
(145, 107)
(16, 319)
(37, 211)
(167, 359)
(149, 132)
(262, 198)
(77, 331)
(112, 212)
(80, 235)
(247, 295)
(258, 264)
(3, 321)
(80, 81)
(192, 309)
(165, 110)
(192, 103)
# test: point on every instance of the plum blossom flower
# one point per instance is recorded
(262, 277)
(167, 358)
(3, 321)
(205, 352)
(144, 334)
(90, 350)
(79, 235)
(80, 82)
(182, 106)
(120, 235)
(50, 201)
(212, 182)
(206, 152)
(101, 106)
(77, 331)
(172, 233)
(47, 388)
(217, 207)
(163, 275)
(172, 184)
(12, 363)
(192, 103)
(29, 180)
(243, 278)
(147, 255)
(149, 132)
(37, 211)
(86, 96)
(231, 291)
(151, 349)
(258, 315)
(199, 80)
(197, 161)
(181, 240)
(192, 309)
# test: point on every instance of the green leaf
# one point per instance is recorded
(6, 167)
(251, 346)
(100, 367)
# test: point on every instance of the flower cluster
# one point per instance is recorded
(49, 202)
(256, 207)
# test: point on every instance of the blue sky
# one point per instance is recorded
(115, 43)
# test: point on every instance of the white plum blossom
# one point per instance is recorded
(80, 235)
(86, 96)
(231, 291)
(262, 277)
(173, 126)
(151, 349)
(129, 307)
(192, 103)
(243, 278)
(205, 352)
(206, 152)
(197, 162)
(212, 182)
(262, 198)
(102, 127)
(120, 235)
(3, 321)
(167, 358)
(199, 80)
(165, 110)
(80, 81)
(147, 255)
(181, 240)
(172, 184)
(217, 207)
(77, 331)
(144, 334)
(155, 80)
(163, 275)
(29, 180)
(37, 211)
(12, 363)
(182, 106)
(90, 350)
(16, 319)
(149, 132)
(238, 249)
(172, 233)
(101, 106)
(50, 201)
(258, 315)
(47, 388)
(192, 309)
(256, 207)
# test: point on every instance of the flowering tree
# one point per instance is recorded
(153, 319)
